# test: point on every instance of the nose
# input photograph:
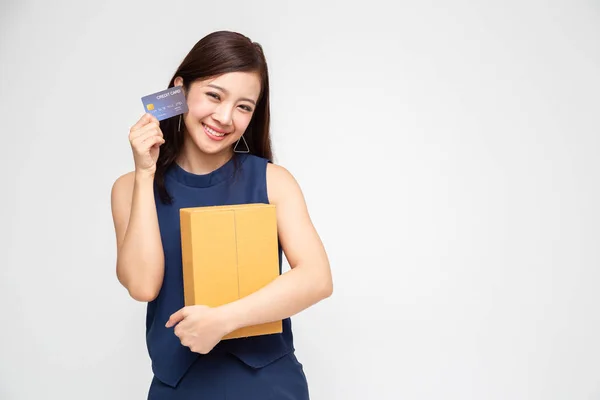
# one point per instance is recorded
(223, 115)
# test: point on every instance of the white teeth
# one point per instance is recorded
(213, 132)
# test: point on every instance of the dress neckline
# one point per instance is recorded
(210, 179)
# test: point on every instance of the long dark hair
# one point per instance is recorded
(215, 54)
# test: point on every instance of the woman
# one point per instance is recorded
(216, 153)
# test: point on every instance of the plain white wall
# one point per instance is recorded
(448, 152)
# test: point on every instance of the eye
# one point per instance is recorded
(213, 95)
(246, 108)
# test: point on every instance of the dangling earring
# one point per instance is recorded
(246, 150)
(179, 125)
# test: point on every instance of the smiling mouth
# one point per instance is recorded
(214, 132)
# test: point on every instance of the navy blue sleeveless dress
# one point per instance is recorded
(261, 367)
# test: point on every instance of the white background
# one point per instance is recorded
(448, 152)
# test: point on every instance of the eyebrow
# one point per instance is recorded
(225, 91)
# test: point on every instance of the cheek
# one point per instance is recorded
(199, 109)
(242, 124)
(243, 120)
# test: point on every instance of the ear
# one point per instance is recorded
(178, 81)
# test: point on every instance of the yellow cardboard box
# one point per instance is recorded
(229, 252)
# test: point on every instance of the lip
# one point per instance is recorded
(211, 136)
(215, 129)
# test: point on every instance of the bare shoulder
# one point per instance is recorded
(281, 184)
(123, 186)
(120, 202)
(297, 234)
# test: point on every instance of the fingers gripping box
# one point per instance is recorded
(229, 252)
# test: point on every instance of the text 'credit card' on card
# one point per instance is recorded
(166, 103)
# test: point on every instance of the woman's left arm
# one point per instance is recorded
(307, 282)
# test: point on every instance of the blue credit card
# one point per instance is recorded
(166, 103)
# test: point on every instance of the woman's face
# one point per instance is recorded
(220, 109)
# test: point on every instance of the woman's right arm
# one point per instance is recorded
(140, 258)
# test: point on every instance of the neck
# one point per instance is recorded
(193, 160)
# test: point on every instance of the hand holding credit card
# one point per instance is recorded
(166, 103)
